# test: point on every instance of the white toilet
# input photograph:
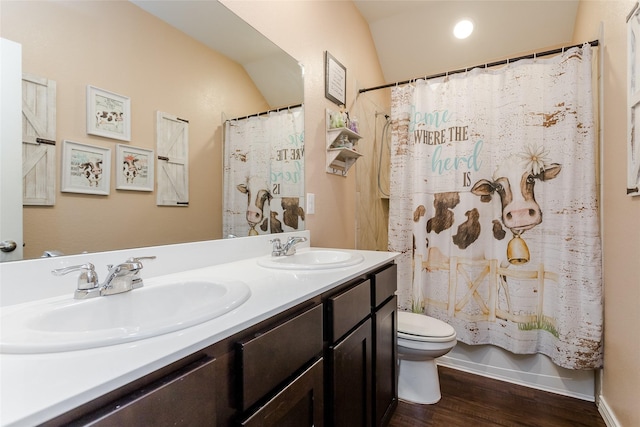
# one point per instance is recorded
(420, 340)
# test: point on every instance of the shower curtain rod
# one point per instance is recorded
(266, 112)
(487, 65)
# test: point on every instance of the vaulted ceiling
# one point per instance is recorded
(415, 38)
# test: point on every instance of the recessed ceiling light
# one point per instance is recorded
(463, 29)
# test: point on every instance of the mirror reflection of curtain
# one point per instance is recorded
(502, 262)
(264, 174)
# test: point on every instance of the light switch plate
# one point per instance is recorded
(311, 203)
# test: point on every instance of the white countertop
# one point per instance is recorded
(39, 387)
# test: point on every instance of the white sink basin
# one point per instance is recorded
(65, 324)
(312, 259)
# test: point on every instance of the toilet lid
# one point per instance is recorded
(414, 326)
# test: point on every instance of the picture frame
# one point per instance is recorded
(85, 168)
(134, 168)
(108, 114)
(335, 80)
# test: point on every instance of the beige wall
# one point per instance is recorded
(305, 29)
(621, 215)
(116, 46)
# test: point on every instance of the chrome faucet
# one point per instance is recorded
(288, 248)
(121, 278)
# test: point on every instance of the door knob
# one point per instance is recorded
(8, 246)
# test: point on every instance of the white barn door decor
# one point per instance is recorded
(172, 138)
(38, 140)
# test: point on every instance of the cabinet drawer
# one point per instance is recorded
(385, 284)
(347, 309)
(184, 398)
(270, 358)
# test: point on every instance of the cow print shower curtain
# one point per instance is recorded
(494, 206)
(264, 174)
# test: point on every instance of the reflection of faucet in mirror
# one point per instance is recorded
(288, 248)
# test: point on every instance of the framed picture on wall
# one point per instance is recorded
(134, 168)
(335, 80)
(108, 114)
(85, 168)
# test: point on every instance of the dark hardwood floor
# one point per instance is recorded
(474, 401)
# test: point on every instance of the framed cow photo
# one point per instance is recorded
(108, 114)
(85, 168)
(134, 168)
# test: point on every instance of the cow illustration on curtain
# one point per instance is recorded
(264, 174)
(494, 206)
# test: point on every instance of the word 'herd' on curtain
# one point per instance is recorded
(264, 174)
(494, 206)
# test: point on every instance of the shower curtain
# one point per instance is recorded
(264, 174)
(494, 206)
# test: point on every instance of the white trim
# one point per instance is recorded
(607, 414)
(535, 371)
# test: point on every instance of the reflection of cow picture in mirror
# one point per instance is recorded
(134, 170)
(85, 168)
(108, 114)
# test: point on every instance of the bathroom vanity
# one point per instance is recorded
(314, 347)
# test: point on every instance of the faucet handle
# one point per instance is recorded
(290, 247)
(277, 244)
(88, 278)
(136, 280)
(140, 258)
(277, 247)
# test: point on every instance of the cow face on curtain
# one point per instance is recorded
(494, 206)
(264, 174)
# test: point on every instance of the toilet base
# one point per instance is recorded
(418, 381)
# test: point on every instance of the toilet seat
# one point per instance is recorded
(418, 327)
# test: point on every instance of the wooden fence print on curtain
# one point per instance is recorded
(494, 206)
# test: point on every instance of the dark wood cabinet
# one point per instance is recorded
(385, 379)
(184, 398)
(384, 305)
(271, 357)
(299, 404)
(350, 379)
(349, 358)
(361, 382)
(330, 360)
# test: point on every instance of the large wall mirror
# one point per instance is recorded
(193, 60)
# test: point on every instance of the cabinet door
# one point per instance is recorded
(185, 398)
(385, 379)
(351, 370)
(299, 404)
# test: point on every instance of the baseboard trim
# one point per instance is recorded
(607, 414)
(502, 374)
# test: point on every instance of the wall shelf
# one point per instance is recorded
(340, 158)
